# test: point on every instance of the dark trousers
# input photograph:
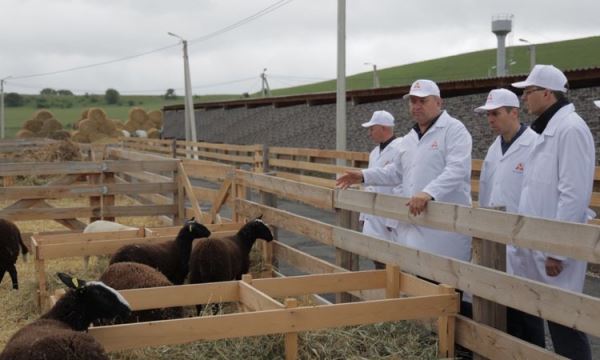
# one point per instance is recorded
(567, 341)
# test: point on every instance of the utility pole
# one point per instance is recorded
(376, 84)
(531, 47)
(2, 124)
(340, 118)
(190, 120)
(264, 89)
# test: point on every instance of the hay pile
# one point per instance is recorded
(150, 122)
(94, 126)
(43, 124)
(65, 150)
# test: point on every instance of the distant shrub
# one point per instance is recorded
(13, 99)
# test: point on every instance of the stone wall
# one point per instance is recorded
(314, 126)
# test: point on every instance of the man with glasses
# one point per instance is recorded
(557, 184)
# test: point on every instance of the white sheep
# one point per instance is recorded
(103, 226)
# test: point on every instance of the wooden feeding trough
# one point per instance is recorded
(266, 314)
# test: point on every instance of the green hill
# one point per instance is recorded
(570, 54)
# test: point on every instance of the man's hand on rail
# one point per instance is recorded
(553, 267)
(349, 178)
(418, 203)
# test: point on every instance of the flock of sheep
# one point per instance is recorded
(60, 333)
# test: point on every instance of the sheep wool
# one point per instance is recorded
(130, 275)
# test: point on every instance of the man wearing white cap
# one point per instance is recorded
(557, 184)
(500, 185)
(434, 164)
(381, 131)
(597, 103)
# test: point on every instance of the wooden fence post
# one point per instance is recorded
(493, 255)
(446, 328)
(179, 197)
(291, 339)
(344, 258)
(270, 200)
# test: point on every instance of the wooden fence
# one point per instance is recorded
(574, 240)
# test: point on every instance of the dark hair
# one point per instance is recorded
(560, 96)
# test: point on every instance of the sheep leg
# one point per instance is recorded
(12, 271)
(2, 270)
(86, 262)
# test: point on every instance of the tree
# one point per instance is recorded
(170, 94)
(48, 91)
(12, 99)
(64, 92)
(111, 96)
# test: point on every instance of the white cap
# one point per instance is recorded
(423, 88)
(597, 103)
(498, 98)
(381, 117)
(546, 77)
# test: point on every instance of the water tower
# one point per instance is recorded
(501, 26)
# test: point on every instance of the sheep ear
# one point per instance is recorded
(260, 217)
(70, 281)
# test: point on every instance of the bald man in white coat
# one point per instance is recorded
(381, 131)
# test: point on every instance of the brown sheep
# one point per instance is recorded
(130, 275)
(10, 241)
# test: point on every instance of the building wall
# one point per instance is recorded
(314, 126)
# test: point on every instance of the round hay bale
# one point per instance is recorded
(87, 126)
(50, 125)
(96, 115)
(95, 137)
(80, 137)
(153, 134)
(138, 116)
(116, 134)
(106, 140)
(118, 124)
(60, 135)
(33, 125)
(147, 125)
(156, 117)
(84, 114)
(106, 126)
(43, 115)
(130, 126)
(24, 133)
(65, 150)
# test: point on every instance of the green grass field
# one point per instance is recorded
(571, 54)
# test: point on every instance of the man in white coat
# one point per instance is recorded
(434, 163)
(381, 131)
(500, 185)
(557, 185)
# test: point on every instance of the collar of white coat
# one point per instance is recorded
(441, 122)
(556, 119)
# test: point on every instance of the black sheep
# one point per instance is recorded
(130, 275)
(10, 240)
(60, 333)
(170, 258)
(227, 258)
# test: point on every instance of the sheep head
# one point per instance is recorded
(260, 229)
(195, 229)
(89, 301)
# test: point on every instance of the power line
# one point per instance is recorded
(244, 21)
(235, 25)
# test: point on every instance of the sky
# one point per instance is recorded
(295, 40)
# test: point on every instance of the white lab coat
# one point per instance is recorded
(500, 184)
(558, 185)
(375, 225)
(440, 165)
